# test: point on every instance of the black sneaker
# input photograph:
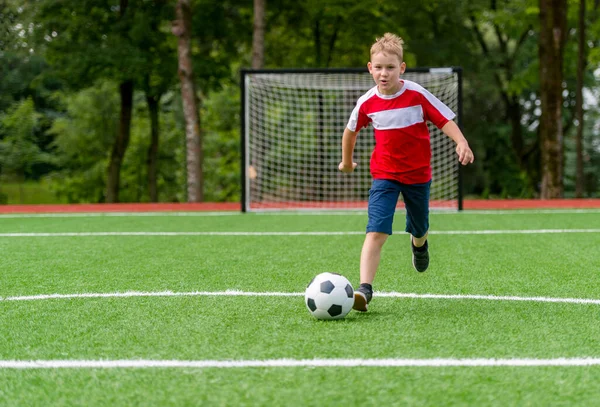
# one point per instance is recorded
(362, 297)
(420, 257)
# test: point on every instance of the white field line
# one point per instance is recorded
(509, 232)
(323, 233)
(87, 234)
(145, 364)
(126, 294)
(234, 293)
(288, 213)
(116, 214)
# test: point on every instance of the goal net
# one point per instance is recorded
(292, 126)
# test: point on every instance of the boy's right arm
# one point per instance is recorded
(348, 142)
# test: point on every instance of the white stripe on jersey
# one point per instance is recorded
(397, 118)
(390, 123)
(441, 107)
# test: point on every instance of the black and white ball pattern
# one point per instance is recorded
(329, 296)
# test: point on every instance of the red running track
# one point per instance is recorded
(472, 204)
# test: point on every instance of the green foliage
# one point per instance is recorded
(21, 68)
(495, 172)
(18, 149)
(591, 151)
(222, 36)
(221, 123)
(48, 46)
(89, 40)
(171, 155)
(336, 33)
(83, 140)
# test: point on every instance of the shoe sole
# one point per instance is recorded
(360, 302)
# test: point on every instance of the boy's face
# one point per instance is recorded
(386, 70)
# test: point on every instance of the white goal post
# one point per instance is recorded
(292, 123)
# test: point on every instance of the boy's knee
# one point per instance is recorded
(420, 235)
(377, 237)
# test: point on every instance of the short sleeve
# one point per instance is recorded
(358, 119)
(435, 110)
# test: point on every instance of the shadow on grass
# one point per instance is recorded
(355, 316)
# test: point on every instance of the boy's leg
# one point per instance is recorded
(370, 256)
(369, 261)
(420, 253)
(416, 199)
(383, 197)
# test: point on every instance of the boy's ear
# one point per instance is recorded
(369, 66)
(402, 67)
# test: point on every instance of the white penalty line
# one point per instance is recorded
(202, 364)
(234, 293)
(323, 233)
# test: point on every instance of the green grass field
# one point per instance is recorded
(159, 289)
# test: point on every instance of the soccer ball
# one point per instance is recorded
(329, 296)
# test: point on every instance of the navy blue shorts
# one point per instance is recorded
(383, 197)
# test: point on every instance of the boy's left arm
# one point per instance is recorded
(465, 155)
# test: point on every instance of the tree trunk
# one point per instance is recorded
(258, 35)
(553, 30)
(513, 112)
(581, 63)
(152, 159)
(317, 38)
(121, 143)
(182, 28)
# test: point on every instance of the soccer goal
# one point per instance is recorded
(292, 124)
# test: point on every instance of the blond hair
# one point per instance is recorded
(389, 44)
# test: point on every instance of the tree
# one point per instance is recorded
(335, 33)
(258, 35)
(553, 34)
(159, 59)
(182, 28)
(581, 63)
(153, 101)
(502, 45)
(83, 137)
(89, 41)
(122, 141)
(94, 40)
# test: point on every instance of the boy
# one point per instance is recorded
(398, 110)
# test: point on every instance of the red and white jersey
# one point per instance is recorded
(402, 147)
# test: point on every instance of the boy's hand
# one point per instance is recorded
(465, 155)
(346, 168)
